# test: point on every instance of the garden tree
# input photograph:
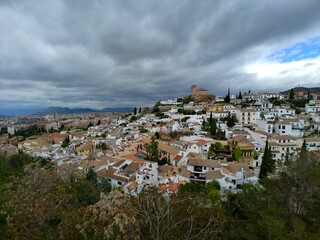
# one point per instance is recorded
(156, 107)
(99, 122)
(135, 111)
(104, 185)
(191, 188)
(143, 130)
(133, 118)
(253, 215)
(240, 95)
(113, 217)
(140, 110)
(38, 206)
(103, 146)
(91, 176)
(237, 153)
(227, 97)
(268, 164)
(179, 216)
(301, 195)
(286, 207)
(66, 142)
(217, 145)
(152, 149)
(85, 192)
(90, 124)
(157, 135)
(230, 119)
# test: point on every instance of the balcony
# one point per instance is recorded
(197, 176)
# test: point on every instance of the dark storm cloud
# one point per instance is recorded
(103, 53)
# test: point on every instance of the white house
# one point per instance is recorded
(289, 126)
(313, 106)
(169, 102)
(313, 144)
(199, 167)
(247, 116)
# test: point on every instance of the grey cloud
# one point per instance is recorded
(116, 53)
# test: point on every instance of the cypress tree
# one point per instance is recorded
(213, 127)
(240, 95)
(291, 95)
(227, 98)
(267, 165)
(211, 118)
(303, 150)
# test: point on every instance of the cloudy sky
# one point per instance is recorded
(80, 53)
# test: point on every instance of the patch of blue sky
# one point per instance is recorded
(306, 49)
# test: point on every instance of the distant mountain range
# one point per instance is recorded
(65, 110)
(305, 90)
(61, 110)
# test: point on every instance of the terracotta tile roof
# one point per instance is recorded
(185, 173)
(247, 110)
(133, 157)
(194, 155)
(133, 166)
(167, 148)
(110, 173)
(132, 186)
(235, 166)
(263, 132)
(168, 170)
(203, 163)
(282, 137)
(215, 174)
(203, 141)
(119, 163)
(312, 139)
(172, 186)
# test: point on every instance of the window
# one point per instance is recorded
(197, 168)
(283, 127)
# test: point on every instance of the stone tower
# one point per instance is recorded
(193, 90)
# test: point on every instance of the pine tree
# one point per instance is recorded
(135, 111)
(267, 165)
(240, 95)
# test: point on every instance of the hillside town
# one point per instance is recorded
(193, 139)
